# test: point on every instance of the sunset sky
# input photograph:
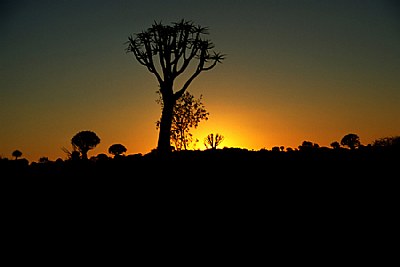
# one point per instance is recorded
(295, 71)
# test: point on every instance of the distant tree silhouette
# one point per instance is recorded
(187, 114)
(308, 146)
(275, 149)
(101, 157)
(390, 141)
(167, 51)
(117, 149)
(335, 145)
(43, 160)
(351, 140)
(16, 154)
(212, 141)
(85, 141)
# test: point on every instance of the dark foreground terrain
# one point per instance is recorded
(330, 203)
(223, 163)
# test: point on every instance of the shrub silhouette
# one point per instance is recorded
(335, 145)
(390, 141)
(117, 149)
(308, 146)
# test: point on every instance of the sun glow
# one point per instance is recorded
(232, 126)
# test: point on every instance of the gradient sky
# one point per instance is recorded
(295, 70)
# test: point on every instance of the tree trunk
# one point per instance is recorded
(84, 154)
(164, 136)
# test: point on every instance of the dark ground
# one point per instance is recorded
(225, 164)
(309, 206)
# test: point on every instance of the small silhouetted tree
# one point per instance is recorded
(351, 140)
(167, 51)
(85, 141)
(335, 145)
(16, 154)
(187, 114)
(212, 141)
(117, 149)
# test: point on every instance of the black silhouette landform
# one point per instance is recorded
(224, 163)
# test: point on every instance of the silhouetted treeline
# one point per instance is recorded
(312, 160)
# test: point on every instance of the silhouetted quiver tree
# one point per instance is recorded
(85, 141)
(16, 154)
(212, 141)
(167, 51)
